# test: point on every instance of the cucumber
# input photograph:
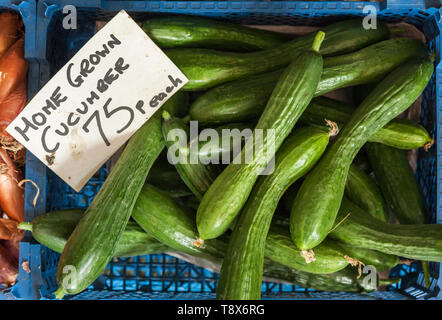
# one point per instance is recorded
(292, 94)
(398, 183)
(381, 261)
(246, 98)
(53, 229)
(164, 176)
(206, 68)
(94, 240)
(197, 32)
(319, 198)
(414, 241)
(171, 224)
(281, 250)
(241, 272)
(398, 133)
(226, 147)
(364, 192)
(197, 176)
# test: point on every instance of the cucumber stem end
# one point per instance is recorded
(25, 226)
(60, 293)
(318, 41)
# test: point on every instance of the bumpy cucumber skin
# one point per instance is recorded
(319, 198)
(197, 32)
(364, 192)
(164, 176)
(330, 256)
(93, 242)
(241, 272)
(398, 183)
(398, 133)
(228, 193)
(160, 216)
(197, 176)
(245, 99)
(414, 241)
(53, 229)
(206, 68)
(381, 261)
(216, 152)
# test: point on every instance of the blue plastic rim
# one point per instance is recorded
(162, 276)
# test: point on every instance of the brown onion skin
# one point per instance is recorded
(10, 108)
(8, 229)
(8, 267)
(11, 195)
(13, 68)
(10, 26)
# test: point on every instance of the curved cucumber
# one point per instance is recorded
(319, 198)
(398, 133)
(381, 261)
(196, 175)
(206, 68)
(94, 240)
(197, 32)
(364, 192)
(164, 176)
(414, 241)
(292, 94)
(241, 272)
(246, 98)
(227, 144)
(161, 217)
(53, 229)
(398, 183)
(280, 249)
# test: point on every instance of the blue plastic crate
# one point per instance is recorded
(27, 10)
(162, 276)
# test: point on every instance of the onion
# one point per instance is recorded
(11, 106)
(13, 68)
(11, 195)
(8, 229)
(8, 267)
(11, 24)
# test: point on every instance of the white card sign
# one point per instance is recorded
(97, 101)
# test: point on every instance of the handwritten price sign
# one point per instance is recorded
(94, 104)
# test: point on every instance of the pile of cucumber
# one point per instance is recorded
(340, 179)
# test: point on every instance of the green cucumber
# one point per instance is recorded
(398, 183)
(160, 216)
(241, 272)
(381, 261)
(230, 190)
(364, 192)
(398, 133)
(197, 32)
(246, 98)
(319, 198)
(330, 258)
(196, 175)
(164, 176)
(94, 240)
(206, 68)
(173, 225)
(230, 140)
(413, 241)
(53, 229)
